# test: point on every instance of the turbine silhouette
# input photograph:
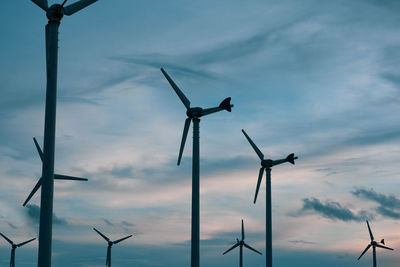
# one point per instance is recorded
(241, 244)
(267, 164)
(110, 243)
(54, 14)
(14, 247)
(194, 114)
(373, 244)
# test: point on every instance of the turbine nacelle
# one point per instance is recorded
(55, 12)
(269, 163)
(197, 112)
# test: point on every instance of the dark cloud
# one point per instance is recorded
(387, 212)
(388, 201)
(12, 225)
(125, 223)
(331, 210)
(33, 214)
(389, 205)
(108, 222)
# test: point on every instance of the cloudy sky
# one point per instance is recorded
(317, 78)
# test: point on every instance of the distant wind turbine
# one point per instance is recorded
(267, 164)
(194, 114)
(54, 14)
(373, 244)
(241, 244)
(14, 247)
(110, 243)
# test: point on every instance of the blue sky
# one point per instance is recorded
(317, 78)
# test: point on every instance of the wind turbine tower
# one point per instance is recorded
(14, 247)
(54, 14)
(110, 244)
(374, 244)
(241, 244)
(194, 114)
(267, 164)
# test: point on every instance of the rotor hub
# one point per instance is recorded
(55, 13)
(194, 113)
(267, 163)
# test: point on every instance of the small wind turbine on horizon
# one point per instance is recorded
(194, 114)
(54, 14)
(373, 244)
(267, 164)
(241, 244)
(14, 247)
(110, 244)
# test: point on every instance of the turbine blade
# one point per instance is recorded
(384, 247)
(260, 155)
(26, 242)
(260, 175)
(122, 239)
(178, 91)
(37, 186)
(184, 136)
(365, 250)
(12, 261)
(108, 259)
(42, 4)
(242, 230)
(256, 251)
(38, 149)
(75, 7)
(370, 232)
(234, 246)
(65, 177)
(6, 238)
(106, 238)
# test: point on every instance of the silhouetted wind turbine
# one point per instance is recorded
(240, 244)
(14, 247)
(194, 114)
(54, 14)
(110, 243)
(267, 164)
(373, 244)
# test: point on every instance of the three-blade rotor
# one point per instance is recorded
(68, 10)
(16, 245)
(266, 164)
(195, 112)
(56, 176)
(241, 243)
(373, 243)
(110, 243)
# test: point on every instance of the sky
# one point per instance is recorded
(317, 78)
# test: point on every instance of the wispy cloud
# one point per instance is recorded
(302, 242)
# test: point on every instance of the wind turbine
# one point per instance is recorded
(194, 114)
(54, 14)
(267, 164)
(241, 244)
(373, 244)
(14, 247)
(110, 243)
